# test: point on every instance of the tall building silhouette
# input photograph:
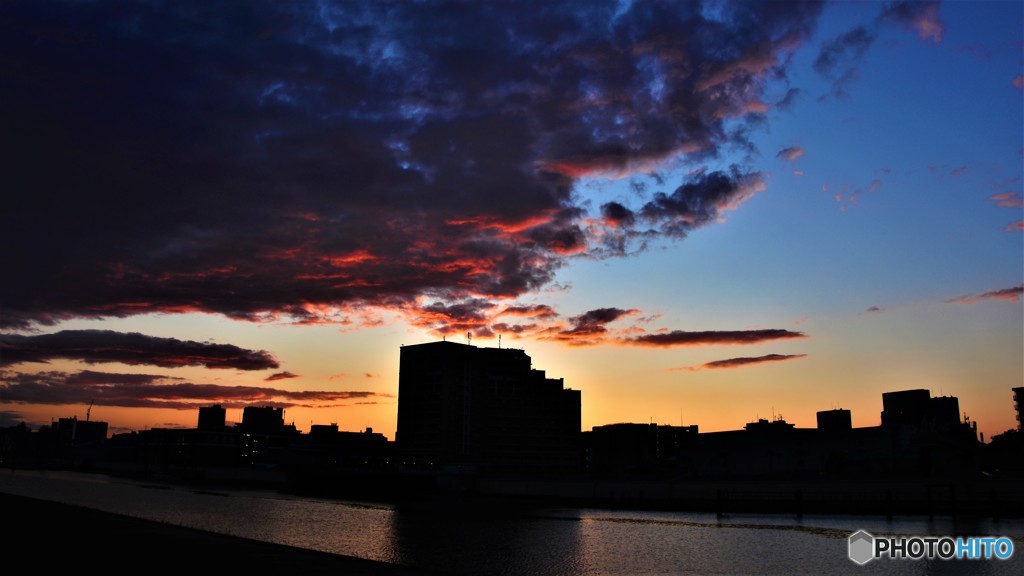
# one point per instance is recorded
(486, 408)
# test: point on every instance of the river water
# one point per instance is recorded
(470, 537)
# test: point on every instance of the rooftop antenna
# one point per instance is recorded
(88, 411)
(469, 337)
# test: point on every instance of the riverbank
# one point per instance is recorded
(41, 534)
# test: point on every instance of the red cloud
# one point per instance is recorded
(1008, 294)
(740, 362)
(1008, 200)
(531, 311)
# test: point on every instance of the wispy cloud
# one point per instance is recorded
(1009, 294)
(97, 346)
(922, 17)
(791, 154)
(1008, 200)
(849, 194)
(710, 337)
(839, 59)
(977, 50)
(152, 391)
(741, 362)
(280, 376)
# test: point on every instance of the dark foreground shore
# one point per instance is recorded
(44, 535)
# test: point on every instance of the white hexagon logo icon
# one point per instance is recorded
(862, 547)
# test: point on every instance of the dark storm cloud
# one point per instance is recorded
(89, 377)
(684, 338)
(309, 160)
(600, 316)
(700, 200)
(461, 317)
(747, 361)
(96, 346)
(616, 214)
(589, 328)
(106, 389)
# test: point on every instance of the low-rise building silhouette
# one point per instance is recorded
(637, 448)
(836, 420)
(486, 409)
(75, 432)
(212, 417)
(264, 420)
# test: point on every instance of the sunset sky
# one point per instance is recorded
(698, 213)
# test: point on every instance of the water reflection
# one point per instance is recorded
(464, 536)
(476, 537)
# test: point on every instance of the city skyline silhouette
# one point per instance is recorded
(694, 213)
(600, 286)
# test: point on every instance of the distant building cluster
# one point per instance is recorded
(262, 441)
(919, 435)
(68, 441)
(488, 411)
